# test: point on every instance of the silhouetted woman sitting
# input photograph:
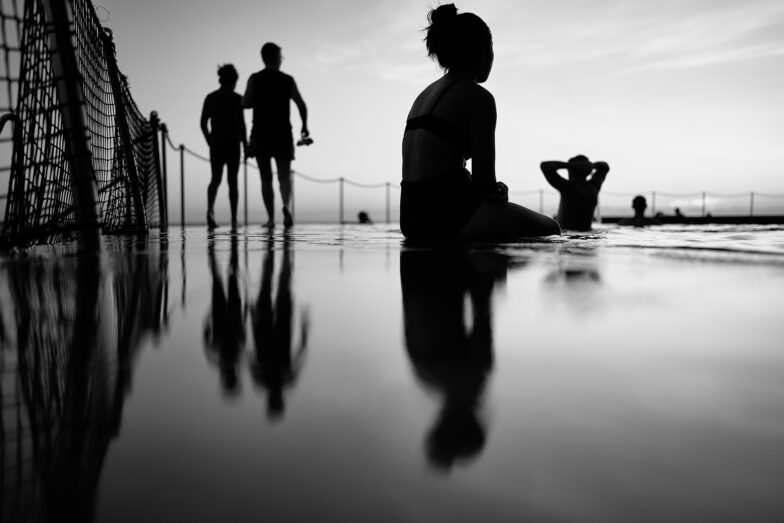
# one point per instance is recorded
(451, 121)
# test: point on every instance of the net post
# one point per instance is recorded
(751, 203)
(68, 86)
(182, 186)
(653, 202)
(126, 144)
(541, 201)
(703, 204)
(155, 124)
(165, 168)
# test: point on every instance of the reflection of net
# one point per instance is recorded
(66, 369)
(121, 143)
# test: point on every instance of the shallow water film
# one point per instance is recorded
(338, 374)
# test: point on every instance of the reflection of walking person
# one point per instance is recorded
(274, 367)
(579, 193)
(269, 93)
(222, 110)
(224, 327)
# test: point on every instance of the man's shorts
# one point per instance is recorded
(278, 145)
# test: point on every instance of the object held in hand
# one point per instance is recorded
(305, 140)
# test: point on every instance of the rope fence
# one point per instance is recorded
(611, 203)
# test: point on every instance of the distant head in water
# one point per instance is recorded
(579, 167)
(462, 43)
(639, 204)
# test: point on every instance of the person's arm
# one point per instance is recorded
(244, 134)
(205, 116)
(550, 170)
(481, 137)
(599, 174)
(303, 109)
(247, 98)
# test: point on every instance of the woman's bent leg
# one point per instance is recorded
(505, 221)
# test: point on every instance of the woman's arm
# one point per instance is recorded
(481, 131)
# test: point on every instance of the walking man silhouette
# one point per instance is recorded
(269, 93)
(222, 110)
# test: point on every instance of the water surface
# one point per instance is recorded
(340, 374)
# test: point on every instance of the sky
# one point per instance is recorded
(678, 96)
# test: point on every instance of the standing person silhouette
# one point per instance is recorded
(268, 93)
(222, 110)
(579, 194)
(453, 120)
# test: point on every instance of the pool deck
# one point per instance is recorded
(338, 373)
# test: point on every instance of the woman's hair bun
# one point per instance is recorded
(443, 13)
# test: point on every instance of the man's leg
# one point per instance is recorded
(216, 165)
(284, 179)
(267, 193)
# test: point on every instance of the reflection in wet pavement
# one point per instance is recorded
(339, 374)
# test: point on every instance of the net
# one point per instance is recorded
(85, 155)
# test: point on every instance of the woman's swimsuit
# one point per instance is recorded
(438, 207)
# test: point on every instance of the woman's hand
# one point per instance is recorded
(501, 193)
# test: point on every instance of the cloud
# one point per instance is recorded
(632, 36)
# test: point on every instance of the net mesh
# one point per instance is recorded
(125, 169)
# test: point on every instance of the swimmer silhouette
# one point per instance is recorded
(448, 355)
(639, 204)
(224, 326)
(274, 367)
(269, 93)
(223, 126)
(453, 120)
(579, 193)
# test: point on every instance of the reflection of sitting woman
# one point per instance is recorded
(446, 354)
(451, 121)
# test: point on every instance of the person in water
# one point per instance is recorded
(579, 193)
(639, 204)
(451, 121)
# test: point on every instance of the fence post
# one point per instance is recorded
(245, 189)
(67, 78)
(598, 209)
(341, 199)
(541, 201)
(653, 203)
(703, 204)
(751, 204)
(388, 203)
(182, 186)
